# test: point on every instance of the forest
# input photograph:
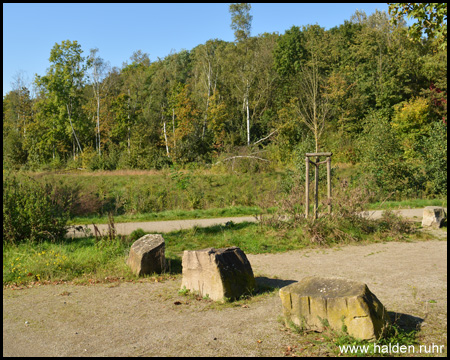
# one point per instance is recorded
(367, 90)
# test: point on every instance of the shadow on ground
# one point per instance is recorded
(405, 322)
(263, 281)
(174, 265)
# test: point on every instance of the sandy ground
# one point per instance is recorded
(151, 319)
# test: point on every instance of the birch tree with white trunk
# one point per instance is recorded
(99, 69)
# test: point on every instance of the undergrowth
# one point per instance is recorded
(285, 227)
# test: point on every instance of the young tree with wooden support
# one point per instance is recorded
(316, 180)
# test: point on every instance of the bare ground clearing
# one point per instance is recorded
(151, 319)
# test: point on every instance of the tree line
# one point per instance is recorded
(365, 90)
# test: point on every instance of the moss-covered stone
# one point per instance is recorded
(315, 302)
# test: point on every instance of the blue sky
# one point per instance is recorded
(117, 30)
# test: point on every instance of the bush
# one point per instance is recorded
(13, 153)
(29, 213)
(435, 155)
(382, 159)
(136, 235)
(345, 224)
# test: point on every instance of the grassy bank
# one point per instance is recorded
(237, 211)
(170, 215)
(407, 204)
(269, 196)
(85, 259)
(133, 196)
(92, 195)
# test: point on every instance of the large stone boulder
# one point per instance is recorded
(218, 273)
(147, 255)
(315, 302)
(433, 216)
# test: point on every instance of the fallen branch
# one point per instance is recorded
(242, 156)
(273, 132)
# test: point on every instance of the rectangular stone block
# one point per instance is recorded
(433, 216)
(314, 302)
(147, 255)
(218, 273)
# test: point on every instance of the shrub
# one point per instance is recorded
(29, 213)
(411, 120)
(346, 223)
(435, 155)
(136, 235)
(382, 159)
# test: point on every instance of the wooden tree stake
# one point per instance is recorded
(316, 181)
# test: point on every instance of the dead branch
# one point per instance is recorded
(273, 132)
(242, 156)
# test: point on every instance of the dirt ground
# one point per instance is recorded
(150, 318)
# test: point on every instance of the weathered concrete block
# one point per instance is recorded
(218, 273)
(433, 216)
(313, 300)
(147, 255)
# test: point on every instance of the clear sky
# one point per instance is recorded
(31, 30)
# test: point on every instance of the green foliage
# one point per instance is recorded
(29, 211)
(394, 335)
(435, 159)
(183, 291)
(382, 158)
(241, 20)
(136, 235)
(13, 153)
(431, 18)
(289, 52)
(246, 106)
(411, 121)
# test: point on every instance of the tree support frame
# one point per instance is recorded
(316, 180)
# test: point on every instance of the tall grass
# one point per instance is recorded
(89, 258)
(31, 211)
(407, 204)
(47, 261)
(280, 208)
(170, 194)
(158, 192)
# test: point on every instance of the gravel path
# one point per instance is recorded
(172, 225)
(150, 318)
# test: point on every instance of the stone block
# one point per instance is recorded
(218, 273)
(433, 216)
(315, 302)
(147, 255)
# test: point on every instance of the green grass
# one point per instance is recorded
(86, 258)
(408, 204)
(64, 261)
(82, 259)
(237, 211)
(250, 237)
(329, 341)
(135, 196)
(157, 193)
